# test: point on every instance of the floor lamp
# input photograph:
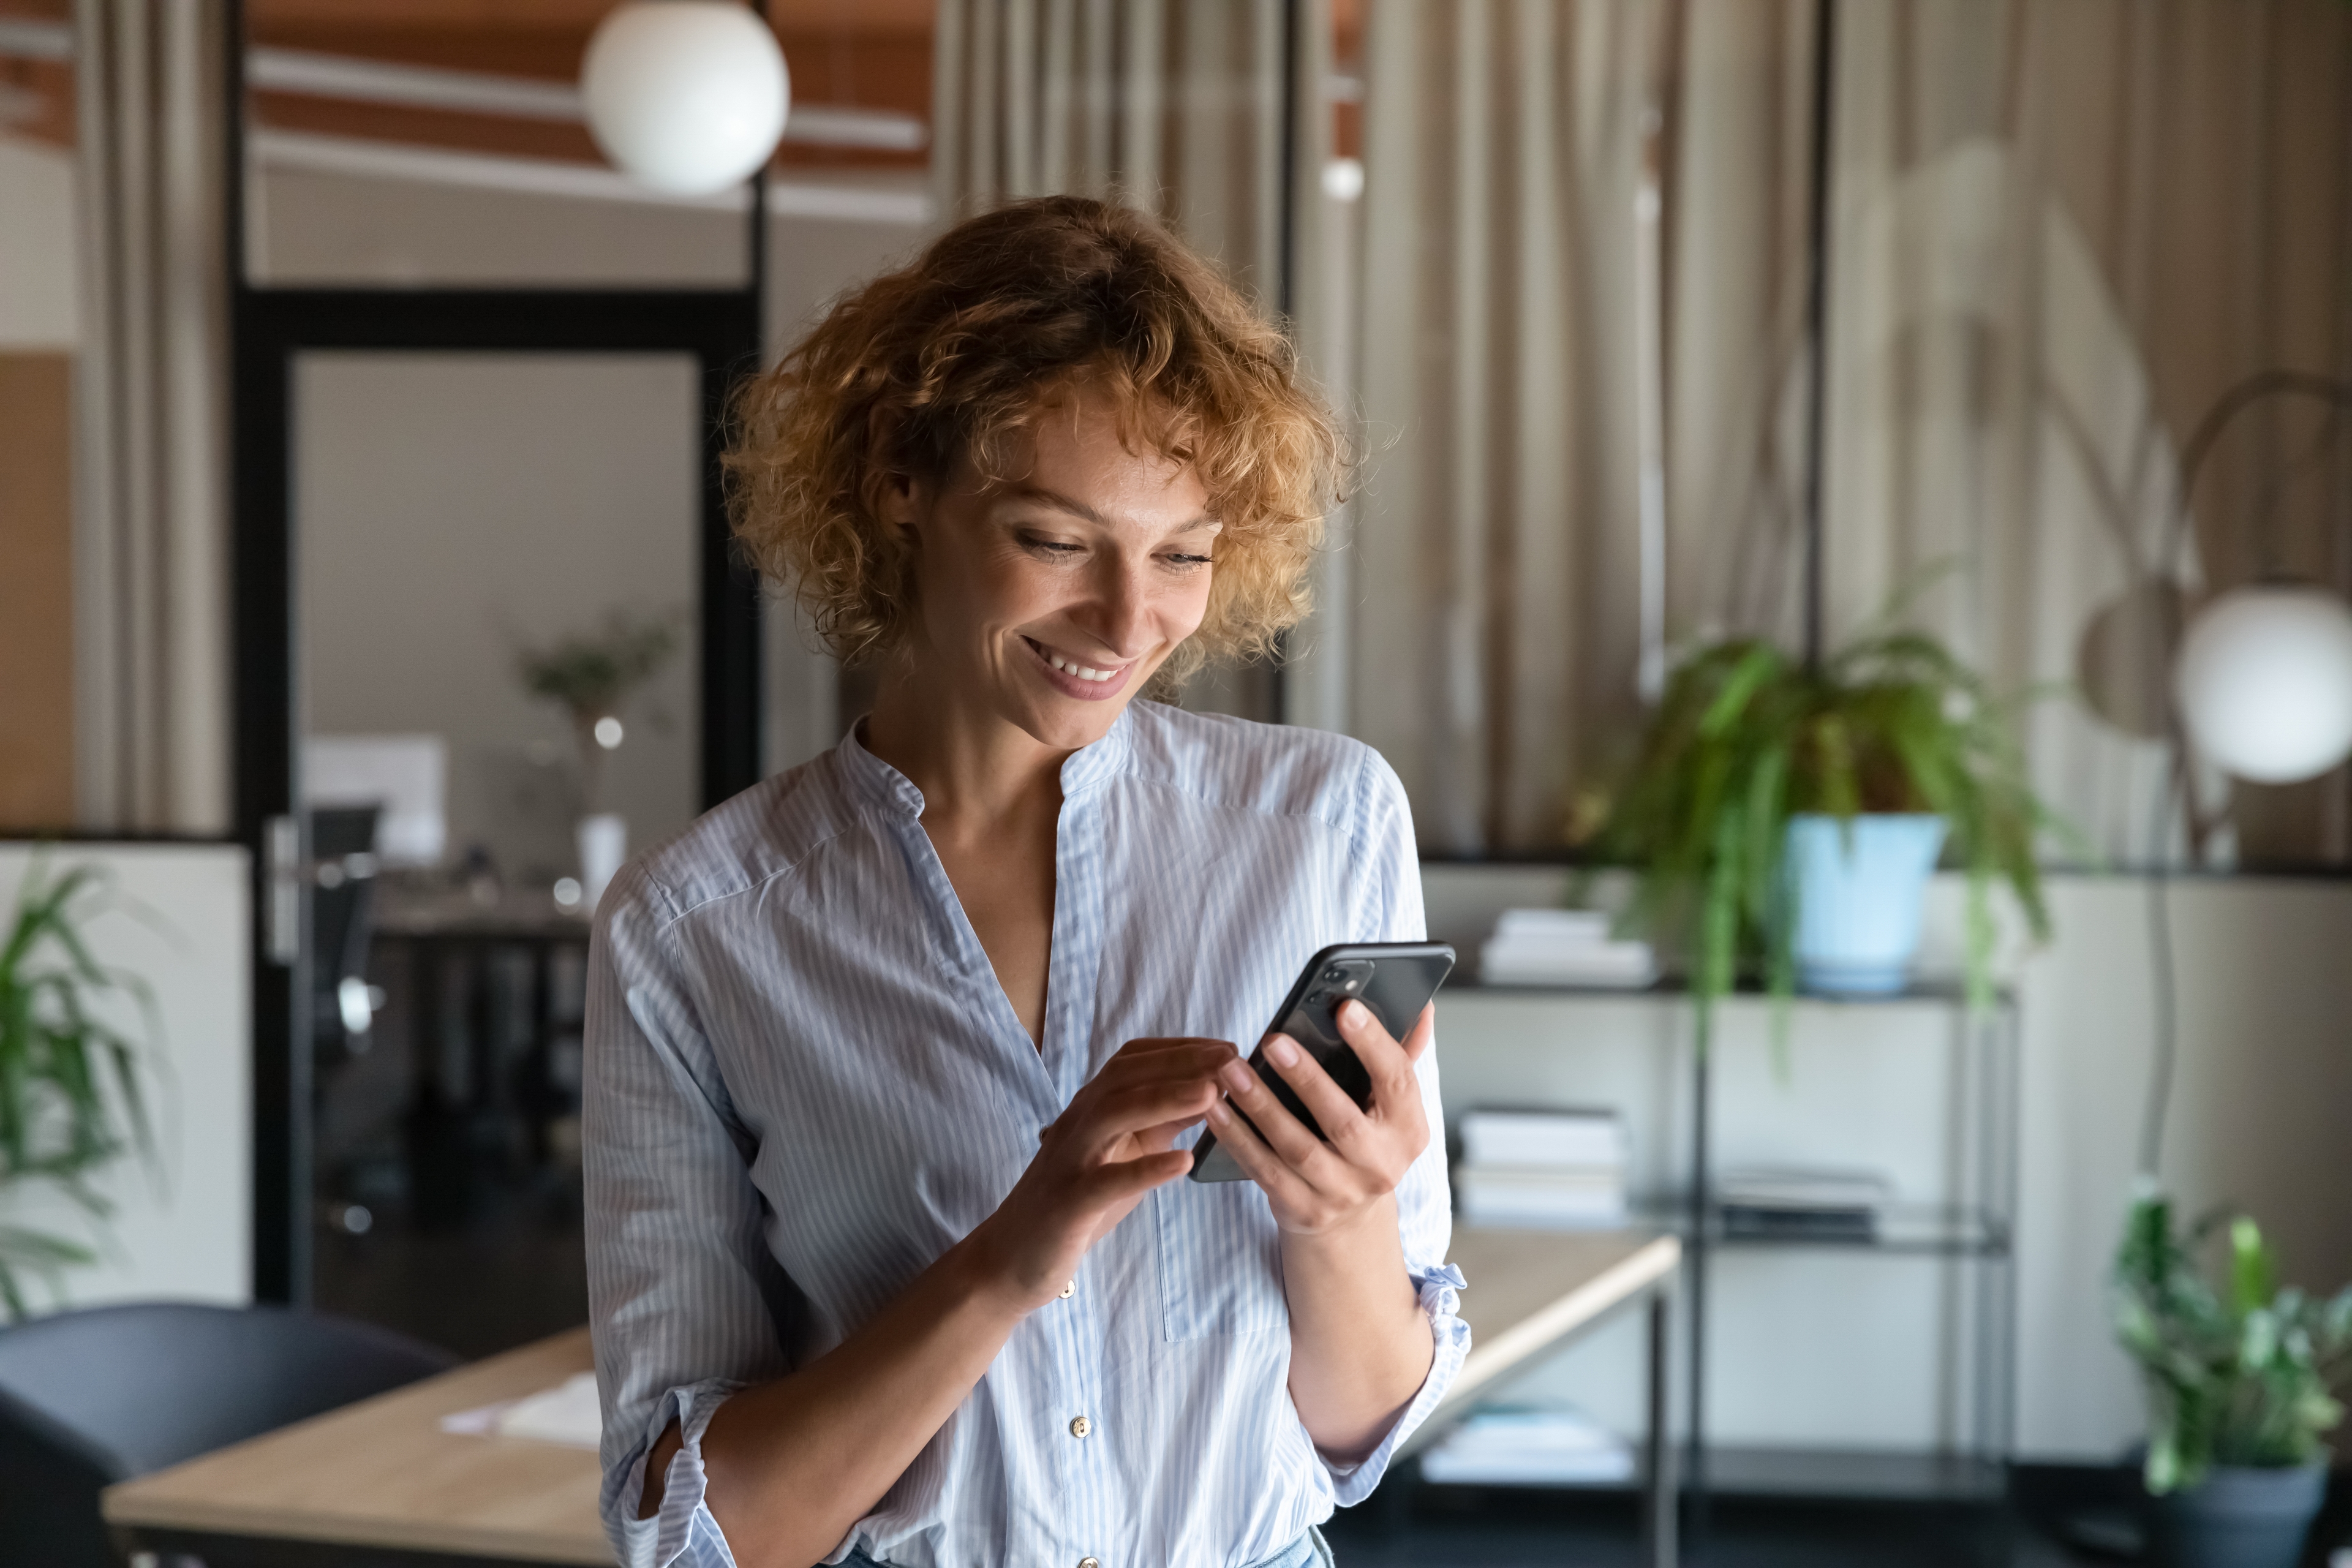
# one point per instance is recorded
(2261, 686)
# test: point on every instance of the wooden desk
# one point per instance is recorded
(1532, 1291)
(379, 1484)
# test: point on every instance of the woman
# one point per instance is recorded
(893, 1061)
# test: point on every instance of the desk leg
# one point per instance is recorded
(1658, 1493)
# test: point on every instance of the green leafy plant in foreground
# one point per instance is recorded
(2238, 1372)
(1748, 736)
(71, 1094)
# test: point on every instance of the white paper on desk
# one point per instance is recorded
(568, 1415)
(478, 1423)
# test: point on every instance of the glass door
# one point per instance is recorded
(497, 562)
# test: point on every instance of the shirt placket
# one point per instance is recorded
(1084, 1427)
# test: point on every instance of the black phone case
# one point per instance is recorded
(1404, 976)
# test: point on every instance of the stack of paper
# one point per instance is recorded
(1797, 1203)
(1553, 1170)
(1563, 947)
(1530, 1447)
(567, 1414)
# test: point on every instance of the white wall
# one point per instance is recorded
(1817, 1349)
(185, 1231)
(38, 295)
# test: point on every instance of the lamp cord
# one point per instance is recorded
(2177, 787)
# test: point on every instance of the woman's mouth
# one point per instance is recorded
(1074, 677)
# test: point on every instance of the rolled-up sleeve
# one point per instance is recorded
(1388, 909)
(684, 1295)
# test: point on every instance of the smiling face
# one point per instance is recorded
(1049, 600)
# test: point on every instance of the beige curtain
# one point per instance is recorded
(151, 718)
(1495, 546)
(2061, 228)
(1178, 108)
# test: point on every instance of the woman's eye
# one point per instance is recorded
(1052, 546)
(1188, 561)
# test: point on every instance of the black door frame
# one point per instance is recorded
(268, 328)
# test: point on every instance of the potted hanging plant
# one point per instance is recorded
(1784, 818)
(2240, 1378)
(71, 1094)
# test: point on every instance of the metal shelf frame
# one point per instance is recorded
(1977, 1232)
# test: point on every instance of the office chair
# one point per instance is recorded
(95, 1397)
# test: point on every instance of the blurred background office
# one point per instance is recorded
(365, 599)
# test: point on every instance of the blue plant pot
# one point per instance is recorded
(1859, 886)
(2238, 1517)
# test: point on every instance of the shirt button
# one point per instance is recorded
(1089, 1562)
(1079, 1428)
(1069, 1289)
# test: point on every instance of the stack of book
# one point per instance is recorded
(1797, 1204)
(1563, 947)
(1549, 1170)
(1530, 1447)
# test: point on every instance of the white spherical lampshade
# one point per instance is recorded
(686, 96)
(2265, 682)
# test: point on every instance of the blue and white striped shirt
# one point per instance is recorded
(804, 1085)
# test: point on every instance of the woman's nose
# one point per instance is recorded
(1122, 607)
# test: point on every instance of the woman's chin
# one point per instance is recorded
(1066, 725)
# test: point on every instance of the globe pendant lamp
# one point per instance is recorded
(685, 96)
(2265, 682)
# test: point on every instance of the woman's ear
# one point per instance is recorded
(899, 503)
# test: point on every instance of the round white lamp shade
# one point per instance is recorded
(686, 96)
(2265, 682)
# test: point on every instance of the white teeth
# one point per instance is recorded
(1080, 670)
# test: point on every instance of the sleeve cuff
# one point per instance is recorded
(681, 1531)
(1439, 1290)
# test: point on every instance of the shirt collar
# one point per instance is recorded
(1087, 766)
(1082, 770)
(877, 780)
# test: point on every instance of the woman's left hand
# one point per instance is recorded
(1314, 1187)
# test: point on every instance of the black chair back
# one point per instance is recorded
(91, 1397)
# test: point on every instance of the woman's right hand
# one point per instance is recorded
(1113, 1143)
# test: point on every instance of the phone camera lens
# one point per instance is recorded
(1334, 974)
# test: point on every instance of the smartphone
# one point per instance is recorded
(1394, 979)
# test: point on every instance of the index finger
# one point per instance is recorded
(1177, 1054)
(1158, 1061)
(1158, 1045)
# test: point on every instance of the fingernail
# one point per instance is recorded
(1238, 1077)
(1282, 1051)
(1352, 1014)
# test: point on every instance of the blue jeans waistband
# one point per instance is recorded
(1307, 1551)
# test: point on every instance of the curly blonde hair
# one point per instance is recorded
(947, 360)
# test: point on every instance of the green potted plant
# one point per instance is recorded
(1784, 817)
(2240, 1378)
(72, 1098)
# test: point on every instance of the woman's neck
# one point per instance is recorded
(974, 769)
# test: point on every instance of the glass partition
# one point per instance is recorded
(497, 557)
